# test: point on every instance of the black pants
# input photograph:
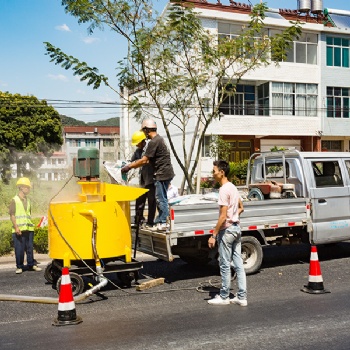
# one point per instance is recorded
(152, 205)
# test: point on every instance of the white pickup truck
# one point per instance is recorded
(290, 197)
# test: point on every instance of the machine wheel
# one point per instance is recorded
(255, 194)
(48, 273)
(252, 254)
(127, 277)
(52, 273)
(76, 281)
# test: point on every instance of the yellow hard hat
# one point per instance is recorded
(137, 137)
(23, 181)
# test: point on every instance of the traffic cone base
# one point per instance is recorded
(74, 319)
(314, 288)
(315, 285)
(66, 306)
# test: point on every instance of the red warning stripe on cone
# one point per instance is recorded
(66, 305)
(315, 285)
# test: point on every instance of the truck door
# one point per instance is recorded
(329, 193)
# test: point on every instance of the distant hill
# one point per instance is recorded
(107, 122)
(68, 121)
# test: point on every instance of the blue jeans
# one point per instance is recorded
(230, 248)
(162, 201)
(24, 244)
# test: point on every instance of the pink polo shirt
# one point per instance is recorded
(229, 197)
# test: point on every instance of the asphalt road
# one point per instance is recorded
(176, 315)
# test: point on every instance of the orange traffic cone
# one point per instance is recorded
(315, 285)
(66, 306)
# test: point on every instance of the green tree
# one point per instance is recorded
(28, 128)
(219, 148)
(185, 71)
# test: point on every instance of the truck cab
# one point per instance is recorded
(322, 177)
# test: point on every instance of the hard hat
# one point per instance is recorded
(137, 137)
(23, 181)
(149, 124)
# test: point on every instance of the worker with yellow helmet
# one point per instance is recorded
(146, 180)
(22, 226)
(158, 155)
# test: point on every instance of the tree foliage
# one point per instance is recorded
(28, 127)
(185, 70)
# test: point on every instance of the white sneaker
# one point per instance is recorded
(154, 227)
(218, 300)
(18, 271)
(240, 302)
(163, 227)
(147, 226)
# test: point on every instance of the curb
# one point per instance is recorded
(9, 261)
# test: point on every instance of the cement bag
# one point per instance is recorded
(114, 171)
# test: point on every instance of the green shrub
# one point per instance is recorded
(41, 240)
(238, 171)
(6, 243)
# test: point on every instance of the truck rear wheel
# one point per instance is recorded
(252, 254)
(255, 194)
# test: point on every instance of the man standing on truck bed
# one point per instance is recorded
(227, 233)
(158, 155)
(145, 180)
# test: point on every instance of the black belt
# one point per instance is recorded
(235, 223)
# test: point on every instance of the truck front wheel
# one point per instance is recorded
(252, 254)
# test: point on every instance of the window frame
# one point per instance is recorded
(337, 52)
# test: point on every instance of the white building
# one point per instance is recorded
(302, 103)
(60, 165)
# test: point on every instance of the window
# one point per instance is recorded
(246, 45)
(304, 50)
(347, 164)
(338, 52)
(108, 156)
(263, 99)
(294, 99)
(338, 102)
(332, 145)
(276, 170)
(327, 174)
(229, 30)
(108, 142)
(74, 142)
(239, 100)
(206, 146)
(90, 142)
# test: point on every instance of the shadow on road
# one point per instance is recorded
(178, 270)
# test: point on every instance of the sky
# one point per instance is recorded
(25, 69)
